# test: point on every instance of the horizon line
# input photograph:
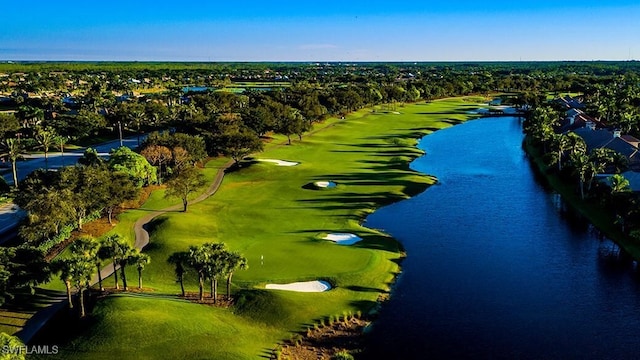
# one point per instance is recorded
(11, 61)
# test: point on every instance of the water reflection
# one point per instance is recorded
(499, 266)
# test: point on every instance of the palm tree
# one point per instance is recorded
(63, 267)
(198, 260)
(599, 160)
(81, 273)
(93, 251)
(140, 260)
(112, 245)
(233, 261)
(628, 120)
(576, 144)
(103, 254)
(137, 118)
(561, 143)
(581, 164)
(126, 257)
(215, 266)
(12, 149)
(179, 259)
(46, 137)
(618, 184)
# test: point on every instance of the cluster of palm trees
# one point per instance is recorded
(210, 261)
(86, 257)
(617, 103)
(568, 151)
(13, 148)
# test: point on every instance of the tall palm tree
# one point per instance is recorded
(140, 260)
(126, 256)
(112, 248)
(179, 260)
(215, 265)
(561, 143)
(81, 273)
(63, 268)
(198, 260)
(576, 144)
(12, 149)
(89, 248)
(581, 164)
(137, 117)
(233, 261)
(46, 137)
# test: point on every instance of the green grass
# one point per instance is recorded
(263, 210)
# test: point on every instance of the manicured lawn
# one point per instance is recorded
(266, 211)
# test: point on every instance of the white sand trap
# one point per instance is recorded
(396, 112)
(343, 238)
(307, 286)
(325, 184)
(280, 162)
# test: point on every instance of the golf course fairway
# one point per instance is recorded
(264, 212)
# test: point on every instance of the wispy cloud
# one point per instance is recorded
(317, 46)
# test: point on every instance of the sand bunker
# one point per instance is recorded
(325, 184)
(307, 286)
(343, 238)
(280, 162)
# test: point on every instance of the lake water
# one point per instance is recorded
(497, 266)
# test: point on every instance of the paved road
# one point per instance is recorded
(10, 214)
(58, 159)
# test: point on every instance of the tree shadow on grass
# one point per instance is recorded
(243, 164)
(378, 242)
(365, 289)
(25, 302)
(266, 353)
(155, 224)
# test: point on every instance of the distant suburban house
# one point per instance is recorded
(594, 138)
(576, 119)
(605, 139)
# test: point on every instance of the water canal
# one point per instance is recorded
(497, 266)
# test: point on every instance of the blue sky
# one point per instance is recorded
(320, 31)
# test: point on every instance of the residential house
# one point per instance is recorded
(602, 138)
(576, 119)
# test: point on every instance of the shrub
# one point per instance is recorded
(342, 355)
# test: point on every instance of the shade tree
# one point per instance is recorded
(184, 184)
